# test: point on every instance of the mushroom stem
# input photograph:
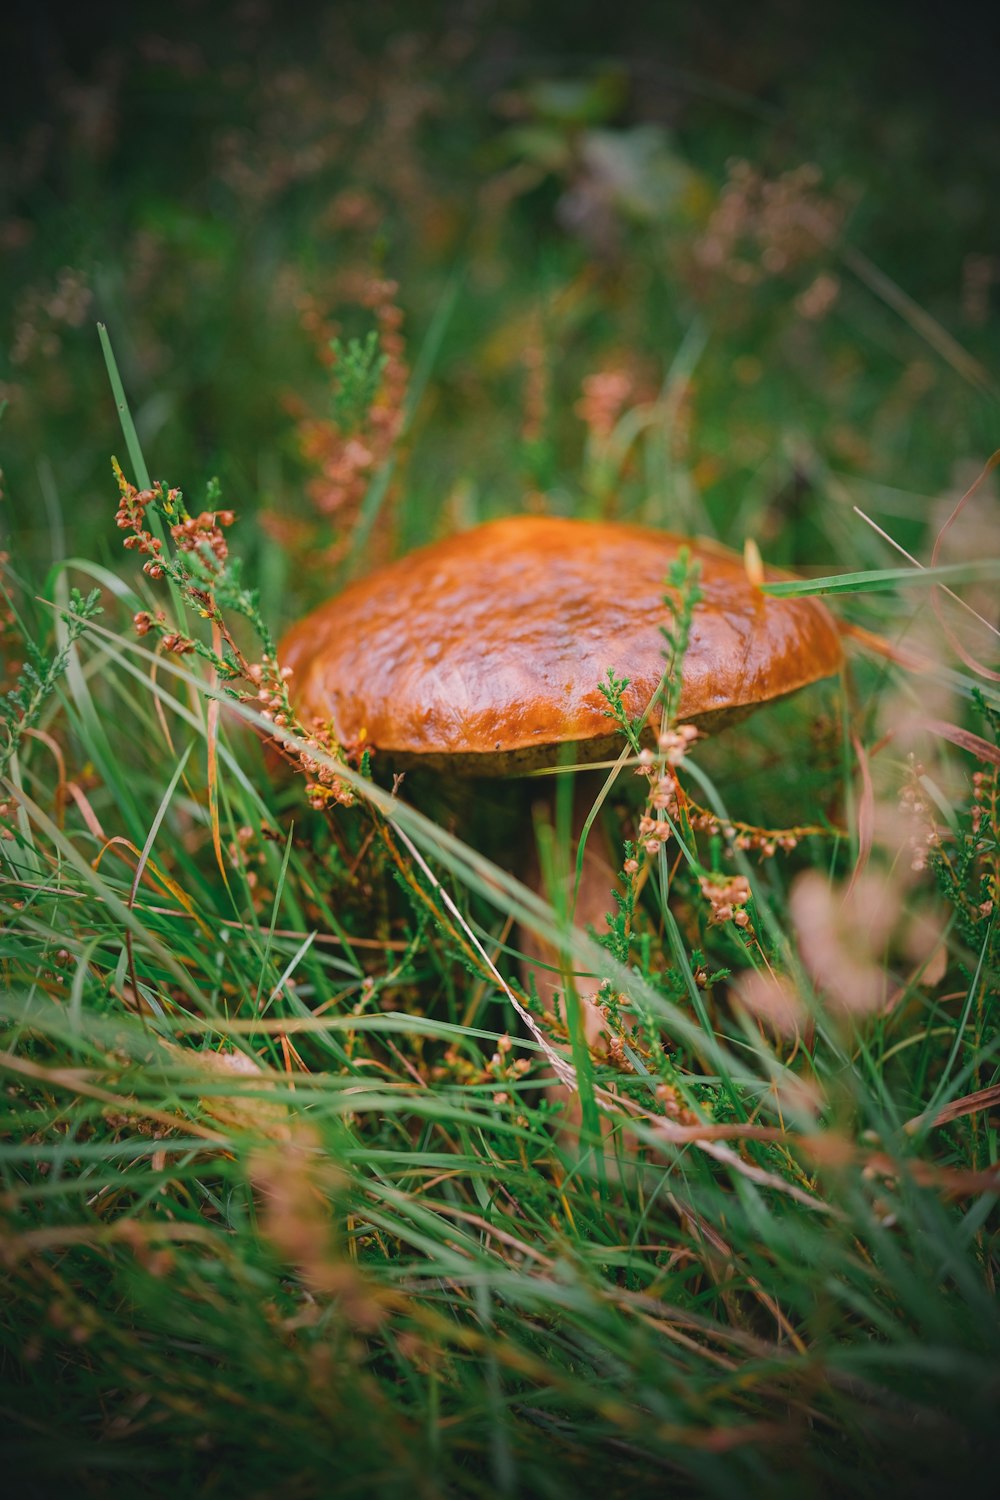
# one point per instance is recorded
(542, 964)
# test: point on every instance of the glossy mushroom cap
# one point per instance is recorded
(484, 652)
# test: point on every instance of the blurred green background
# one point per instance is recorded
(779, 222)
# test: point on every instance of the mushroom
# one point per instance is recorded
(482, 654)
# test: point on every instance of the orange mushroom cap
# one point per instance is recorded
(484, 652)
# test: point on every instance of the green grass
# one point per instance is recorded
(288, 1200)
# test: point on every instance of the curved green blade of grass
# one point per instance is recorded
(878, 579)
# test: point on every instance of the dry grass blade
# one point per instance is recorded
(866, 816)
(956, 1109)
(957, 598)
(564, 1070)
(957, 646)
(77, 1081)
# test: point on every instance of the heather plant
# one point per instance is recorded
(38, 678)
